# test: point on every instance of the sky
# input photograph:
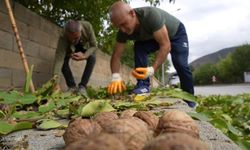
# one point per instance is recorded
(211, 24)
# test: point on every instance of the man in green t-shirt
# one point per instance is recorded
(153, 30)
(77, 42)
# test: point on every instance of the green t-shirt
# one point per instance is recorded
(151, 19)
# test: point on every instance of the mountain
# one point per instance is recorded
(212, 58)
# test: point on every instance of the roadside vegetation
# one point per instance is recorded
(44, 109)
(228, 70)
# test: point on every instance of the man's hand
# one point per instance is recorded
(78, 56)
(143, 73)
(116, 85)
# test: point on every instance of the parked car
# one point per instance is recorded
(174, 81)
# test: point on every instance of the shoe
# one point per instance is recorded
(190, 104)
(142, 87)
(82, 91)
(72, 90)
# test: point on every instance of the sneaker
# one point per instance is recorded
(72, 89)
(82, 91)
(142, 87)
(190, 104)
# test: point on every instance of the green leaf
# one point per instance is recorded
(2, 95)
(23, 126)
(2, 115)
(220, 124)
(94, 107)
(47, 107)
(199, 116)
(46, 124)
(244, 145)
(27, 99)
(122, 105)
(27, 115)
(63, 113)
(11, 98)
(66, 101)
(182, 95)
(47, 88)
(234, 130)
(28, 79)
(227, 117)
(17, 97)
(6, 128)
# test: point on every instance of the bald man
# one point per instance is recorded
(77, 43)
(151, 29)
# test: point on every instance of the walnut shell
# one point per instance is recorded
(176, 141)
(104, 117)
(149, 117)
(133, 132)
(81, 128)
(128, 113)
(176, 115)
(103, 141)
(177, 121)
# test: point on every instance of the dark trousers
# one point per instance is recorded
(86, 74)
(179, 54)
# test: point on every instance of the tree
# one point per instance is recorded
(227, 70)
(204, 74)
(240, 62)
(94, 11)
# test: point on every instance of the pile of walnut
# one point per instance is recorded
(133, 130)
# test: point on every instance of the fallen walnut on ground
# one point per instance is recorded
(127, 113)
(175, 141)
(149, 117)
(177, 121)
(104, 117)
(103, 141)
(133, 132)
(81, 128)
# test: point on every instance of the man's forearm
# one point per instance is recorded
(90, 51)
(161, 56)
(116, 57)
(115, 63)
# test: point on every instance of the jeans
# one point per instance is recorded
(86, 74)
(179, 54)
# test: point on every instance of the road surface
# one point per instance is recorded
(233, 89)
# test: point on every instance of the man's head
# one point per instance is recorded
(123, 17)
(72, 30)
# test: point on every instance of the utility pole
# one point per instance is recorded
(163, 74)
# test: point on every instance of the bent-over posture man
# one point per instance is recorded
(78, 42)
(153, 30)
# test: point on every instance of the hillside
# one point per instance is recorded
(212, 58)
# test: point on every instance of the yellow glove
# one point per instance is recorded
(116, 85)
(143, 73)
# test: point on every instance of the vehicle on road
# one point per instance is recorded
(174, 80)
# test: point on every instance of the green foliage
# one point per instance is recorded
(96, 12)
(95, 107)
(230, 114)
(227, 70)
(46, 124)
(6, 127)
(204, 74)
(224, 68)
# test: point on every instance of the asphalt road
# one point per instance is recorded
(232, 89)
